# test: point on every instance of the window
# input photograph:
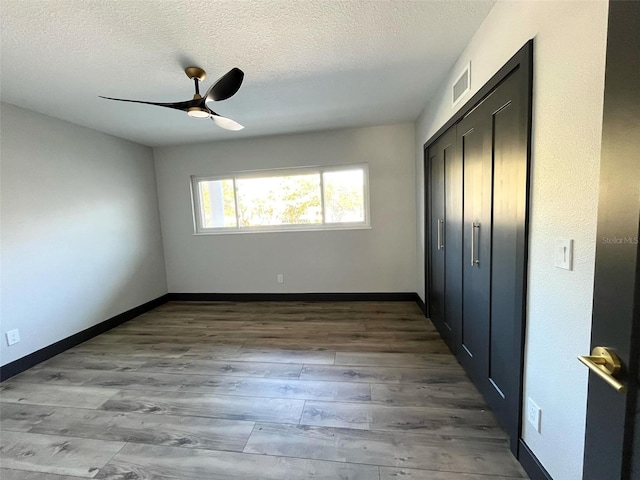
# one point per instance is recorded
(317, 198)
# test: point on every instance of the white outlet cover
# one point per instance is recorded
(533, 414)
(563, 253)
(13, 337)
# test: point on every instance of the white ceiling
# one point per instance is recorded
(309, 65)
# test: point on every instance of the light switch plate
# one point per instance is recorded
(564, 253)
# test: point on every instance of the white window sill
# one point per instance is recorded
(243, 231)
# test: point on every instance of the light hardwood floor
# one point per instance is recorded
(254, 391)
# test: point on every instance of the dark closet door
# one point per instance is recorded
(508, 118)
(474, 150)
(435, 168)
(492, 143)
(445, 174)
(453, 174)
(486, 172)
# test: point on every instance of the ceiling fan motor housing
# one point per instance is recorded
(198, 112)
(225, 87)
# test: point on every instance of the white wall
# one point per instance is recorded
(80, 229)
(569, 59)
(375, 260)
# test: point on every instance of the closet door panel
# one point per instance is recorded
(453, 243)
(436, 257)
(504, 247)
(509, 133)
(445, 233)
(476, 158)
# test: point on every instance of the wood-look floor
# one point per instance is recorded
(254, 391)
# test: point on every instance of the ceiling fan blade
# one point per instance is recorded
(184, 106)
(226, 86)
(226, 123)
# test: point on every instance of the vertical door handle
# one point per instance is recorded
(474, 260)
(440, 224)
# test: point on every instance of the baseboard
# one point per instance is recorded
(294, 297)
(531, 464)
(28, 361)
(421, 304)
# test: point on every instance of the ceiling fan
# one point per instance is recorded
(198, 107)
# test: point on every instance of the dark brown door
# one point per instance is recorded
(612, 441)
(436, 241)
(492, 142)
(509, 116)
(485, 236)
(453, 174)
(445, 216)
(474, 148)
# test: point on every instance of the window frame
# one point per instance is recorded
(199, 229)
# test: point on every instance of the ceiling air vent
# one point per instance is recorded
(462, 85)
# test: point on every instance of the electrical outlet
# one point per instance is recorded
(13, 336)
(533, 414)
(280, 278)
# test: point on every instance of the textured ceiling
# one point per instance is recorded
(309, 65)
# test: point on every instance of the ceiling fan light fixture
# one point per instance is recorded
(197, 112)
(225, 87)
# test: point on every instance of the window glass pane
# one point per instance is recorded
(277, 199)
(285, 200)
(217, 203)
(344, 196)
